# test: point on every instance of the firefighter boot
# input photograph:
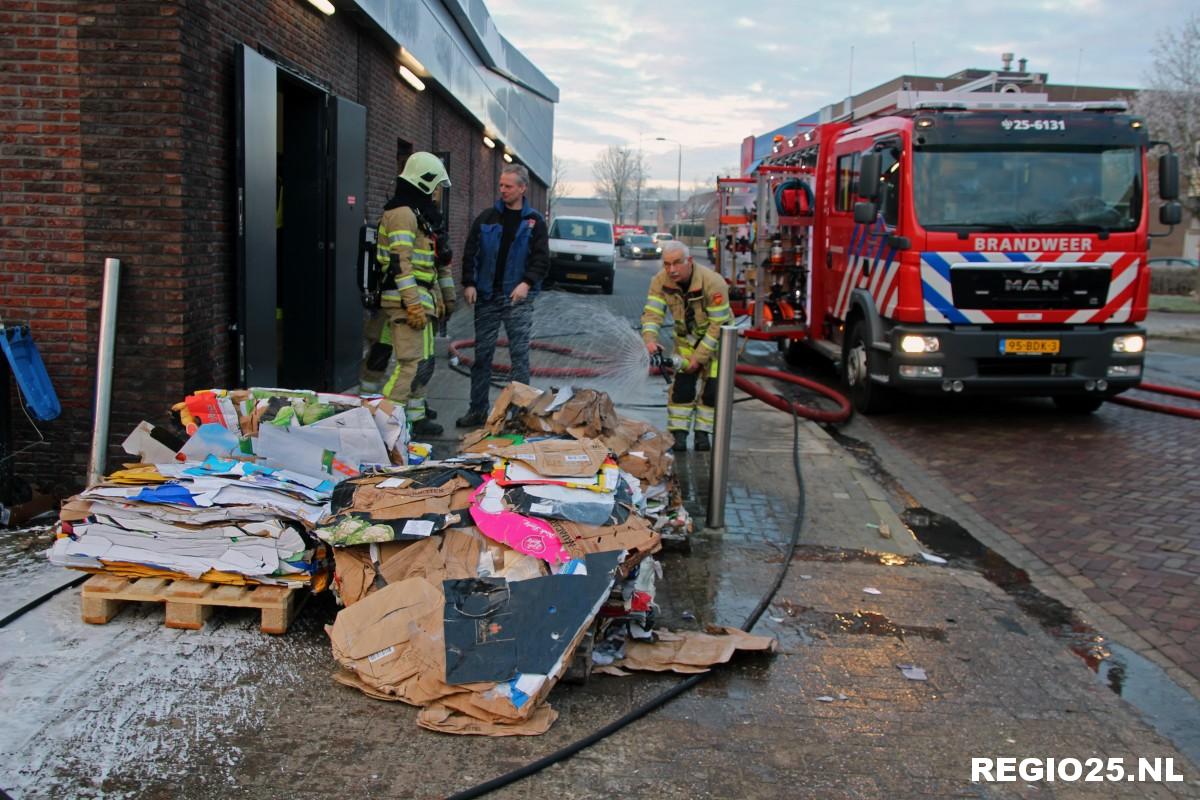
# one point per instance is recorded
(426, 427)
(680, 441)
(703, 443)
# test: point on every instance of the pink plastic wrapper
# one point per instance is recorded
(527, 535)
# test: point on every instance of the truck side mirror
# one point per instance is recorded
(1170, 213)
(1168, 176)
(865, 213)
(868, 175)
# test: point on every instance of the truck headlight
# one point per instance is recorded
(1129, 343)
(912, 343)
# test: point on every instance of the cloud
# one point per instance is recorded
(708, 74)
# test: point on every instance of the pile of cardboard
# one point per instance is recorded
(470, 584)
(237, 501)
(639, 448)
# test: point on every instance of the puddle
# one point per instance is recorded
(838, 555)
(853, 622)
(878, 625)
(1170, 709)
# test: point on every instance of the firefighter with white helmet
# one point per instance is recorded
(698, 299)
(416, 289)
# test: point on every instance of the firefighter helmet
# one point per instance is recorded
(425, 171)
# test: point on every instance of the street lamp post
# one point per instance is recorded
(678, 164)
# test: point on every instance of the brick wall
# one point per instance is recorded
(44, 279)
(118, 141)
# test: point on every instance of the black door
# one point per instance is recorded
(348, 203)
(256, 199)
(301, 186)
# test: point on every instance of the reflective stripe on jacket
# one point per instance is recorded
(698, 312)
(406, 253)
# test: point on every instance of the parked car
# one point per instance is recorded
(1174, 263)
(582, 252)
(621, 231)
(639, 245)
(659, 238)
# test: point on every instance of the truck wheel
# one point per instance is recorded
(1078, 403)
(867, 396)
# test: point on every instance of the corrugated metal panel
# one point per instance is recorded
(458, 44)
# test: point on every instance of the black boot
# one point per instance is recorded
(425, 427)
(703, 444)
(430, 413)
(680, 441)
(472, 419)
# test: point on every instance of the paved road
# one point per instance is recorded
(1110, 500)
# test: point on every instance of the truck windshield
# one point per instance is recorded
(1015, 189)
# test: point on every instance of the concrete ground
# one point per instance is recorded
(131, 709)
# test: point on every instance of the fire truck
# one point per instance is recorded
(957, 242)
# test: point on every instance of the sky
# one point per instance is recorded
(708, 73)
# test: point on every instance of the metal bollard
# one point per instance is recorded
(722, 428)
(104, 364)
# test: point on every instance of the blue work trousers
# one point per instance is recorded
(517, 319)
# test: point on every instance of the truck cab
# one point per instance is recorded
(985, 250)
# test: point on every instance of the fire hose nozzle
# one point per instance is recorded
(667, 365)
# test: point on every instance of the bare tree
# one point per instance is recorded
(558, 188)
(640, 175)
(614, 173)
(1171, 101)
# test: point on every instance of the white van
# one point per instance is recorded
(582, 252)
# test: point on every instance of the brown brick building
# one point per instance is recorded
(168, 133)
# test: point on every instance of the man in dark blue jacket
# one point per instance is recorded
(504, 260)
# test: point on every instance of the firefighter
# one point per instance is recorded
(712, 248)
(417, 290)
(698, 301)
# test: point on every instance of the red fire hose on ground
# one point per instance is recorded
(1163, 408)
(748, 386)
(756, 391)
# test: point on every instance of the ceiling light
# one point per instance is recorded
(489, 141)
(411, 79)
(508, 158)
(324, 6)
(415, 65)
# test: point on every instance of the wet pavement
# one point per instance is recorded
(1109, 502)
(132, 709)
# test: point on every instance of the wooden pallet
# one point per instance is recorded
(189, 603)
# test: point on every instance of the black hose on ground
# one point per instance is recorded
(562, 754)
(37, 601)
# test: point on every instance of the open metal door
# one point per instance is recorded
(256, 197)
(348, 128)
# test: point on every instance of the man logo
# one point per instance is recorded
(1031, 285)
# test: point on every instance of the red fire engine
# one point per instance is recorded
(958, 242)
